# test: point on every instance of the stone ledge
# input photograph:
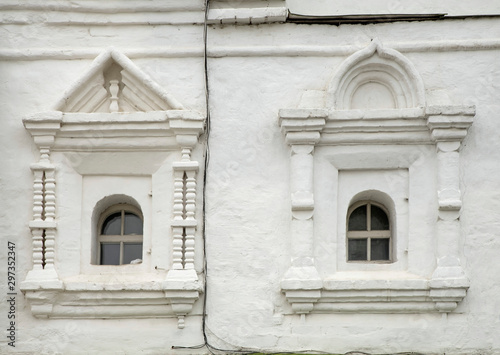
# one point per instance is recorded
(374, 296)
(149, 299)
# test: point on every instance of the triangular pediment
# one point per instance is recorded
(115, 84)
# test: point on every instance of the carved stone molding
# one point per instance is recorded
(377, 73)
(330, 119)
(114, 109)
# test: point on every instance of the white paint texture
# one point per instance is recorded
(305, 121)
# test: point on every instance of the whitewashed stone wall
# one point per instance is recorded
(275, 225)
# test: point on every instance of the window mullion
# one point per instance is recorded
(369, 217)
(122, 234)
(369, 249)
(121, 253)
(122, 224)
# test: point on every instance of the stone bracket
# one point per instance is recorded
(173, 297)
(376, 296)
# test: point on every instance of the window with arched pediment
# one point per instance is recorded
(371, 130)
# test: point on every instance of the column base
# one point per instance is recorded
(448, 285)
(302, 287)
(46, 279)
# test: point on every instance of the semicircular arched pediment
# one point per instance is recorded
(376, 78)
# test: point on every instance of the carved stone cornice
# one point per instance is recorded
(450, 123)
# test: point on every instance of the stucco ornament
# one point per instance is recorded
(373, 126)
(112, 131)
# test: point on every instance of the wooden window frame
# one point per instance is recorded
(122, 238)
(369, 234)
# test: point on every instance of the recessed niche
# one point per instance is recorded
(376, 78)
(372, 95)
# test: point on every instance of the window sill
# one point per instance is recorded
(377, 292)
(114, 296)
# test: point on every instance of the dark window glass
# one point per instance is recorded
(112, 225)
(133, 224)
(110, 253)
(380, 249)
(379, 219)
(357, 219)
(357, 249)
(131, 251)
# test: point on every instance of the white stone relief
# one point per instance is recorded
(115, 84)
(114, 96)
(375, 99)
(376, 78)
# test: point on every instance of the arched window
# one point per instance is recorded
(368, 232)
(120, 235)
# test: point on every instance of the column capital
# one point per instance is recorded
(43, 127)
(187, 126)
(303, 126)
(449, 123)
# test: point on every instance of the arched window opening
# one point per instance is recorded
(368, 233)
(120, 235)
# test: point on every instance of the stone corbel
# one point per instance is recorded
(43, 128)
(302, 283)
(449, 127)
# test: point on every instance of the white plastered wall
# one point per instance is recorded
(248, 178)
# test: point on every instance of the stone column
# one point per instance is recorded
(448, 127)
(181, 285)
(302, 283)
(43, 127)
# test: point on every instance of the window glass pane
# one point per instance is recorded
(133, 224)
(110, 253)
(131, 251)
(357, 219)
(357, 249)
(112, 224)
(379, 219)
(380, 249)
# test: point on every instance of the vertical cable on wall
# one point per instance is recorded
(205, 168)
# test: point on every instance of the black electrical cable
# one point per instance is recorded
(207, 159)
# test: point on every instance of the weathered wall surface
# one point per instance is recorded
(247, 221)
(254, 71)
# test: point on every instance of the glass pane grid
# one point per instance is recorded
(121, 239)
(368, 234)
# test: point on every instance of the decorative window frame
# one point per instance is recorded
(326, 125)
(87, 121)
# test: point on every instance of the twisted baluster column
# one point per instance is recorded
(178, 248)
(43, 128)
